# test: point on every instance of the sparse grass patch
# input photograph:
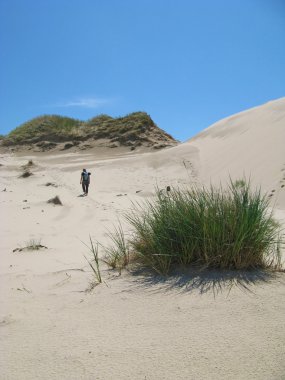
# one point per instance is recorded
(94, 264)
(31, 245)
(219, 228)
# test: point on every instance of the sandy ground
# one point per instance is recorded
(207, 325)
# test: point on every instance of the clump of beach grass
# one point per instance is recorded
(224, 228)
(117, 255)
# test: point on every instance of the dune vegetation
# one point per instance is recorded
(230, 228)
(137, 126)
(47, 127)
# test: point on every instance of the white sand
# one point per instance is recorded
(52, 327)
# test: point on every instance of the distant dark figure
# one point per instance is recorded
(85, 181)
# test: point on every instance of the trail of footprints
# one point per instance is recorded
(281, 182)
(190, 168)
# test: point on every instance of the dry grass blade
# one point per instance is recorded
(95, 253)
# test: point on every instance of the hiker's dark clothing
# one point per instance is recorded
(85, 186)
(85, 182)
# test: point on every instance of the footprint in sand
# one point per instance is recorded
(282, 181)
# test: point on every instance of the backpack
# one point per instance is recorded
(85, 176)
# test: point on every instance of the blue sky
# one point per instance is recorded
(186, 63)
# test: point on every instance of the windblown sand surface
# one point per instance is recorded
(208, 325)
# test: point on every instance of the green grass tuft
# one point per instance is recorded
(117, 255)
(220, 228)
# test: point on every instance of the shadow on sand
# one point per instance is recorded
(204, 280)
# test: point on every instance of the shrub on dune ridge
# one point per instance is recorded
(217, 228)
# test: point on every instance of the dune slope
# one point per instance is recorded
(249, 144)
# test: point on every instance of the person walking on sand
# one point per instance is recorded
(85, 181)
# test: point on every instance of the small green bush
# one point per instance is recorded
(216, 228)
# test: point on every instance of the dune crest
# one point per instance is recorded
(250, 143)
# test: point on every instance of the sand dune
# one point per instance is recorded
(208, 326)
(250, 143)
